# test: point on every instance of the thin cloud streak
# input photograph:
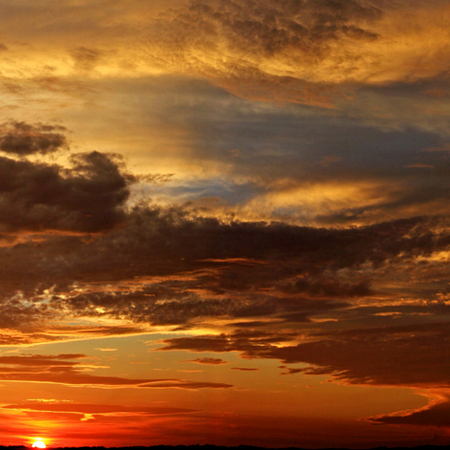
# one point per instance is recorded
(53, 370)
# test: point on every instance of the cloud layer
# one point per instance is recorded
(24, 139)
(236, 191)
(61, 369)
(297, 51)
(89, 196)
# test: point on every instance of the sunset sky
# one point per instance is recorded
(225, 222)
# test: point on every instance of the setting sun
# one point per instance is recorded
(38, 444)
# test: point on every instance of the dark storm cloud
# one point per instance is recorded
(39, 196)
(24, 139)
(412, 355)
(436, 414)
(189, 242)
(160, 305)
(273, 270)
(169, 241)
(282, 265)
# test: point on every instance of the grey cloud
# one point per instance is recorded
(274, 270)
(24, 139)
(181, 307)
(39, 196)
(280, 277)
(185, 240)
(270, 143)
(167, 241)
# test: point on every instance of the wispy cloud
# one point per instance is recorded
(61, 369)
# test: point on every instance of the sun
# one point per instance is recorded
(38, 444)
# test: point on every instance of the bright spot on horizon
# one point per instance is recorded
(38, 444)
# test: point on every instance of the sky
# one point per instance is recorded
(225, 222)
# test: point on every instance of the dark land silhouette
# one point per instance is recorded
(217, 447)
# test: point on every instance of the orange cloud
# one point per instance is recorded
(300, 51)
(60, 369)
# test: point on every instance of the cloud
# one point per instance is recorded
(362, 302)
(208, 361)
(236, 271)
(239, 46)
(328, 288)
(290, 370)
(86, 58)
(437, 414)
(39, 360)
(270, 179)
(264, 29)
(24, 139)
(299, 51)
(311, 52)
(38, 196)
(411, 356)
(169, 234)
(172, 267)
(62, 370)
(96, 409)
(179, 305)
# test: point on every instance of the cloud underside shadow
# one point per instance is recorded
(410, 356)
